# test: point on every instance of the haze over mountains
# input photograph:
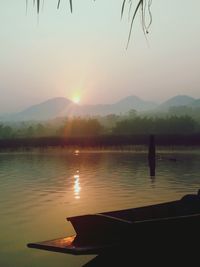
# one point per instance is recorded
(62, 107)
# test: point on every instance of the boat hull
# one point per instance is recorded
(180, 233)
(172, 226)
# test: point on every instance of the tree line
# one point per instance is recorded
(132, 124)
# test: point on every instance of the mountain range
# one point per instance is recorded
(61, 107)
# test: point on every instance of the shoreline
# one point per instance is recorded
(75, 150)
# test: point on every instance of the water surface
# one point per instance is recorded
(39, 190)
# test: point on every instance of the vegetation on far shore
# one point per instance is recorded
(110, 130)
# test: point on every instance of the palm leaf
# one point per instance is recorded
(122, 10)
(141, 3)
(70, 2)
(58, 4)
(133, 18)
(38, 6)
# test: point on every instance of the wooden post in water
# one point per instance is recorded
(152, 155)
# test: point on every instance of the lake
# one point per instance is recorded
(39, 190)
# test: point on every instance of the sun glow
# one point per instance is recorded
(76, 99)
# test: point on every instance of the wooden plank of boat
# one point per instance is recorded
(69, 245)
(88, 242)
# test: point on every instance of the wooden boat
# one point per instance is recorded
(176, 223)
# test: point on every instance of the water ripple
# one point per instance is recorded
(39, 191)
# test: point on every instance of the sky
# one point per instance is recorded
(83, 55)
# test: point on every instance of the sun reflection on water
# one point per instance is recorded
(77, 187)
(76, 152)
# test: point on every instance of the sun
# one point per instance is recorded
(76, 99)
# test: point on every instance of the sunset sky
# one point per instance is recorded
(83, 55)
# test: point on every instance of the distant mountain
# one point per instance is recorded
(122, 106)
(176, 101)
(195, 104)
(134, 102)
(61, 107)
(49, 109)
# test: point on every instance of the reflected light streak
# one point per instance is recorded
(76, 152)
(77, 187)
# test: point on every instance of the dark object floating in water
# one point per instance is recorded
(150, 227)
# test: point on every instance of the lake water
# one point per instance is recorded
(39, 190)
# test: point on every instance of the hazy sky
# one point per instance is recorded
(84, 54)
